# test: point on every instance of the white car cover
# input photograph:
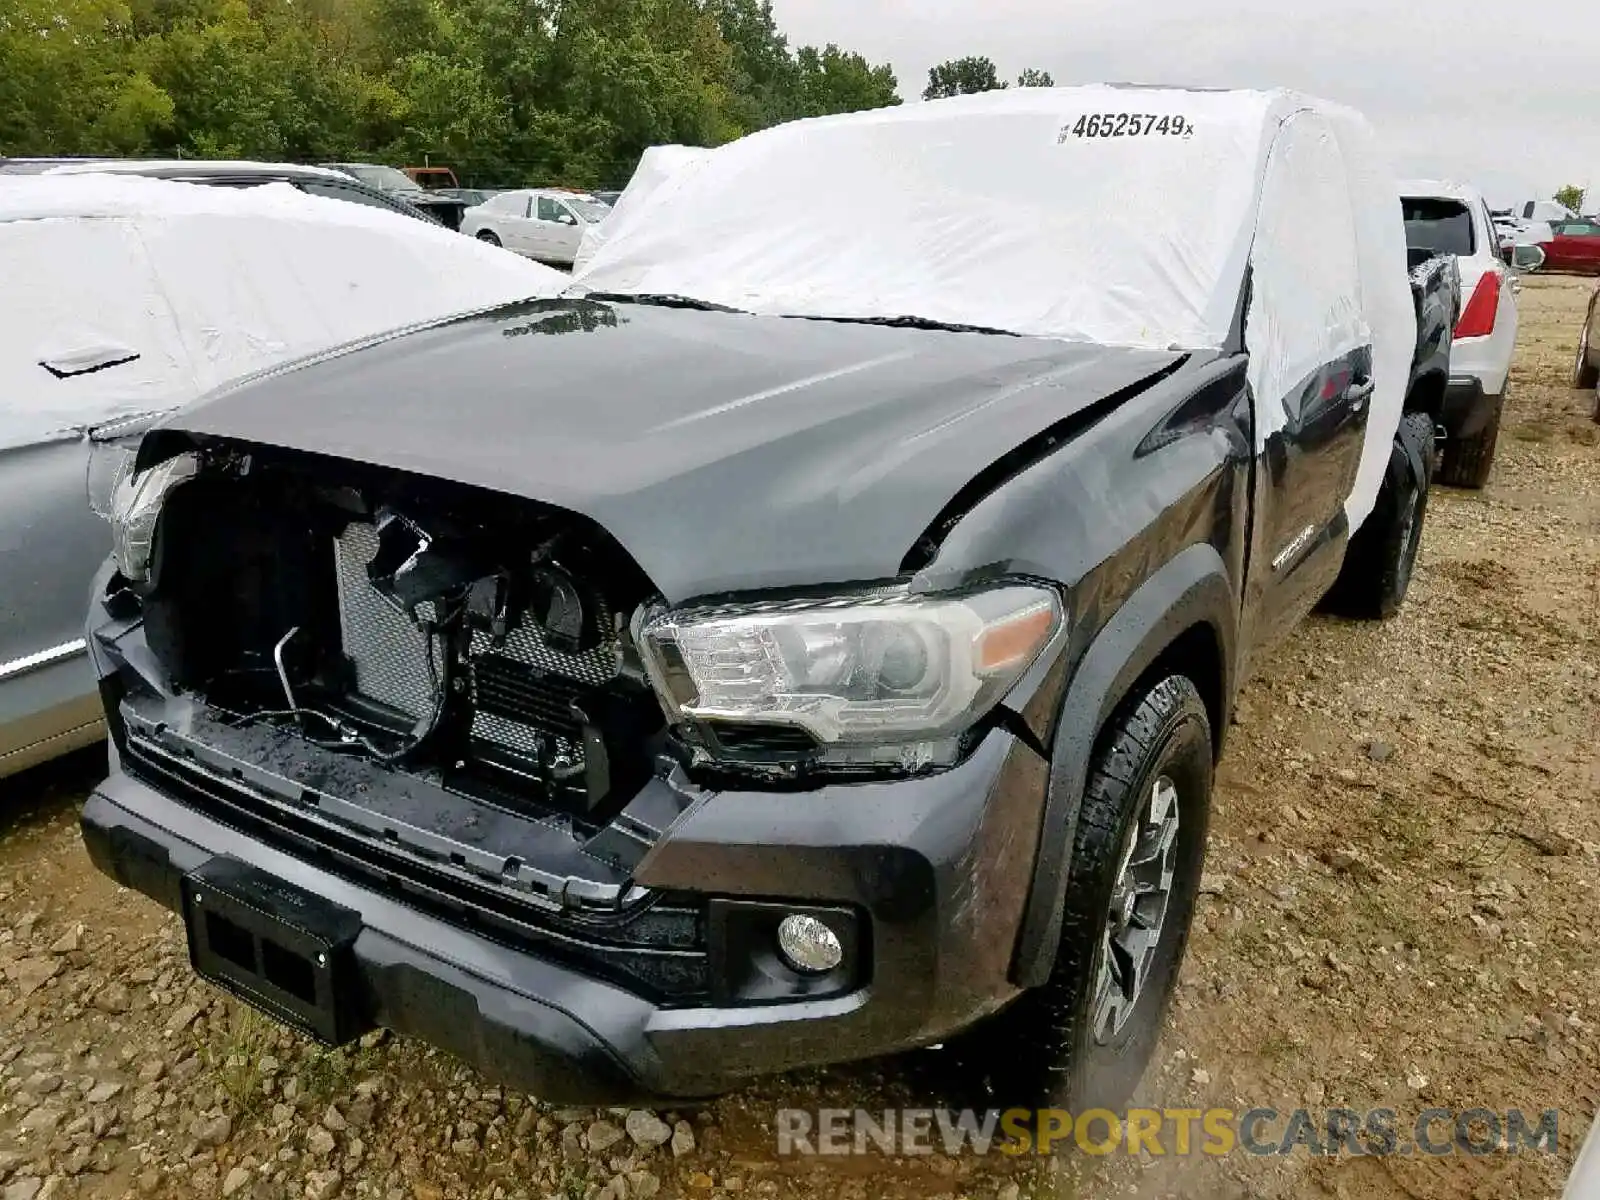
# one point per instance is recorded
(1117, 215)
(129, 295)
(657, 165)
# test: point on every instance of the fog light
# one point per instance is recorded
(808, 945)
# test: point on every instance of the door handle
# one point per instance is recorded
(1358, 393)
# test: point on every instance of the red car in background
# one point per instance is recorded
(1574, 246)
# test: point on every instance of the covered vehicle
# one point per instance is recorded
(656, 166)
(226, 173)
(810, 638)
(141, 296)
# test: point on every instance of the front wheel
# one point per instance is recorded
(489, 235)
(1082, 1039)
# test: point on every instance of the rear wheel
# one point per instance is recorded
(488, 235)
(1382, 555)
(1468, 460)
(1586, 370)
(1084, 1037)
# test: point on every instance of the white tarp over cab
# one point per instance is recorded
(1118, 215)
(124, 294)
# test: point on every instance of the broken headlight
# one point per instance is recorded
(136, 507)
(894, 679)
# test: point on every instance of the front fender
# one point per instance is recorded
(1191, 590)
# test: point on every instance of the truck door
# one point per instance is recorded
(1311, 375)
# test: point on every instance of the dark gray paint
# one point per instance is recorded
(725, 452)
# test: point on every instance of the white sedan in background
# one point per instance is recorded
(540, 223)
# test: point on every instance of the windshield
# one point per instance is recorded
(1442, 226)
(388, 179)
(591, 211)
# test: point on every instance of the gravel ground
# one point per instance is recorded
(1400, 910)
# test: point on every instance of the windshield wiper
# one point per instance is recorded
(917, 323)
(659, 300)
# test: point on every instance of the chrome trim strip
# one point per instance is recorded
(1292, 551)
(44, 658)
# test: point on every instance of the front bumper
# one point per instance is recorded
(935, 868)
(1468, 409)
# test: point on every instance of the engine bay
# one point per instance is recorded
(474, 640)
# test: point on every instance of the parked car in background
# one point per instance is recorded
(1586, 370)
(542, 223)
(1547, 211)
(1574, 247)
(314, 181)
(610, 198)
(471, 197)
(141, 295)
(432, 179)
(1453, 218)
(397, 184)
(633, 696)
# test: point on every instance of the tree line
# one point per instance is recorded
(507, 92)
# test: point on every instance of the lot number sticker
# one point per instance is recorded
(1115, 125)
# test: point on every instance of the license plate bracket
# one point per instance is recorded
(277, 947)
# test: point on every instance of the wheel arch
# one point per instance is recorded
(1427, 394)
(1181, 620)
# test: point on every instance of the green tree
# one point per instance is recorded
(962, 76)
(1031, 77)
(506, 91)
(832, 80)
(764, 71)
(1571, 196)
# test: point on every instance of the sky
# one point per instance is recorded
(1503, 96)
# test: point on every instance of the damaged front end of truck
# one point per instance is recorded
(405, 748)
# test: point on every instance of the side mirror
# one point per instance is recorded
(1527, 259)
(567, 219)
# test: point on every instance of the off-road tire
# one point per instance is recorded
(489, 236)
(1381, 557)
(1468, 460)
(1586, 370)
(1042, 1051)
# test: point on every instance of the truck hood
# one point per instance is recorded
(725, 452)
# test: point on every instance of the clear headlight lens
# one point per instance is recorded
(868, 672)
(136, 507)
(113, 447)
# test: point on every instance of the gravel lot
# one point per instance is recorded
(1401, 910)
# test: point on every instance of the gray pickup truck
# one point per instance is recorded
(635, 692)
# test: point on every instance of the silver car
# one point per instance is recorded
(141, 294)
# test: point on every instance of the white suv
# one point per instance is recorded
(1452, 217)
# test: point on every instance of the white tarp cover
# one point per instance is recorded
(205, 284)
(1117, 215)
(656, 166)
